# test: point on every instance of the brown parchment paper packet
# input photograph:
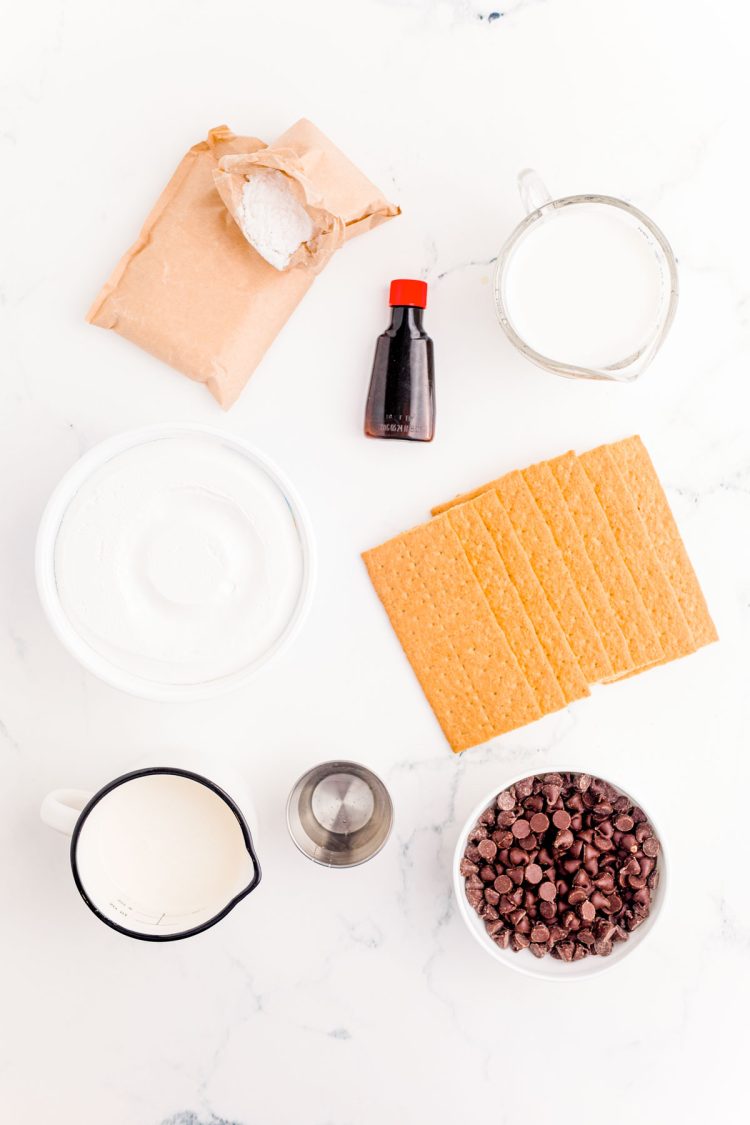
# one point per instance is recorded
(194, 293)
(233, 172)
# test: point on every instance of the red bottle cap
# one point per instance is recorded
(408, 292)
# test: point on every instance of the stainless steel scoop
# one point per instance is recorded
(339, 814)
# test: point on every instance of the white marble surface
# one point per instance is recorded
(358, 998)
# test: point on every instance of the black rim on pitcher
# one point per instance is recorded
(174, 772)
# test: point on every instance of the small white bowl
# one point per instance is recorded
(78, 647)
(549, 968)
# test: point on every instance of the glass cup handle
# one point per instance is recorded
(532, 190)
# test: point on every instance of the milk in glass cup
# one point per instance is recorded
(586, 286)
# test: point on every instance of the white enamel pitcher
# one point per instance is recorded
(162, 852)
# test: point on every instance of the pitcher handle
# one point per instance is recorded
(61, 808)
(532, 190)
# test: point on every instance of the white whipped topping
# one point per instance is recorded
(179, 560)
(273, 220)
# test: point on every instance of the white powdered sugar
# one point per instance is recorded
(272, 218)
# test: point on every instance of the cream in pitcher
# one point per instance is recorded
(159, 853)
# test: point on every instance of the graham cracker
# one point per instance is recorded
(452, 639)
(464, 497)
(554, 576)
(635, 465)
(673, 633)
(571, 540)
(505, 603)
(602, 548)
(548, 629)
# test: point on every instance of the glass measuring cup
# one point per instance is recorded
(586, 286)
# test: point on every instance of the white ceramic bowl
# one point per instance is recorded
(549, 968)
(88, 656)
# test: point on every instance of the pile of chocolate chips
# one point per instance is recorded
(561, 864)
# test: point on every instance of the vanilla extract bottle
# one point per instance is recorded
(401, 399)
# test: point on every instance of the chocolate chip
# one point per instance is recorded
(561, 819)
(533, 874)
(503, 884)
(537, 949)
(487, 849)
(506, 800)
(624, 823)
(528, 843)
(651, 846)
(520, 829)
(539, 823)
(587, 911)
(603, 930)
(494, 927)
(603, 948)
(467, 868)
(491, 896)
(548, 910)
(548, 892)
(565, 950)
(586, 936)
(519, 942)
(517, 856)
(563, 840)
(474, 896)
(540, 933)
(505, 819)
(582, 879)
(502, 939)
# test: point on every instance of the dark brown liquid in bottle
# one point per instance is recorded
(401, 400)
